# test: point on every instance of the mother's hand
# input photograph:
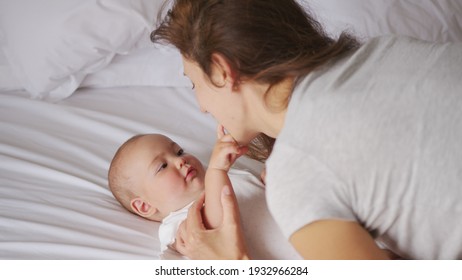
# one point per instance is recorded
(225, 242)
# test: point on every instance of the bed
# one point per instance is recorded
(78, 78)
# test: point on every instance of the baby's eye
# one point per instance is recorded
(180, 152)
(162, 167)
(193, 85)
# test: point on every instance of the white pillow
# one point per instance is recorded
(155, 65)
(51, 45)
(8, 81)
(431, 20)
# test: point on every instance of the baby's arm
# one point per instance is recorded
(224, 154)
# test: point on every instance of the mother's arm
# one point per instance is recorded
(327, 239)
(334, 240)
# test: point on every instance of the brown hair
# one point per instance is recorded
(263, 40)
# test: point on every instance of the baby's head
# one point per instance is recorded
(151, 176)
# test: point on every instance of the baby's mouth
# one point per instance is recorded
(190, 174)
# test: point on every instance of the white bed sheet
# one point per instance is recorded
(54, 199)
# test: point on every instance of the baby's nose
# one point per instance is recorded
(180, 162)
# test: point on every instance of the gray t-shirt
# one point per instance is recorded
(377, 138)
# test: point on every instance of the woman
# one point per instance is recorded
(367, 148)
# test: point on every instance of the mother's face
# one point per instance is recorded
(222, 102)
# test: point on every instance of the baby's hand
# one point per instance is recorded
(226, 151)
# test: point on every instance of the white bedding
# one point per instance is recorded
(54, 199)
(431, 20)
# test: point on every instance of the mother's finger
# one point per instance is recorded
(194, 219)
(180, 239)
(228, 139)
(220, 131)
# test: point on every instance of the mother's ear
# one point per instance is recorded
(223, 75)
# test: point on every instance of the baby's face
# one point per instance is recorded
(168, 178)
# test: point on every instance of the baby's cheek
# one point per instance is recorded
(176, 182)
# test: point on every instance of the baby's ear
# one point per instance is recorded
(142, 208)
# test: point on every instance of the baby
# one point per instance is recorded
(152, 176)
